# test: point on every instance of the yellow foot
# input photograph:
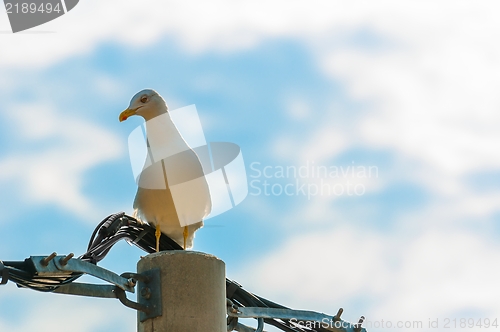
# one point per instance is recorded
(158, 235)
(186, 234)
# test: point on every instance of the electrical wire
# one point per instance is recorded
(111, 230)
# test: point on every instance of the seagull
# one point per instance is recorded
(173, 193)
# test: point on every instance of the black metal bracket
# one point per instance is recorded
(149, 304)
(120, 294)
(149, 294)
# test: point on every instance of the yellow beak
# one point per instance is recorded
(126, 114)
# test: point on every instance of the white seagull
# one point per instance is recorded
(172, 191)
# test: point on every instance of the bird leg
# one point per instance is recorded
(158, 235)
(186, 234)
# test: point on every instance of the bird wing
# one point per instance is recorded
(174, 191)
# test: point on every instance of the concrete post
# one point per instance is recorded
(193, 290)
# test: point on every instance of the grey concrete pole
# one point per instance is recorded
(193, 290)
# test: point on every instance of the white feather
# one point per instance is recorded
(172, 189)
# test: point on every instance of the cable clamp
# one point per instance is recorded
(4, 272)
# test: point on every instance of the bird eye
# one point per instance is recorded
(144, 99)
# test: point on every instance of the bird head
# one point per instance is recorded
(146, 103)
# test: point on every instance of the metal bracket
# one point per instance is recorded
(120, 294)
(106, 291)
(57, 265)
(149, 300)
(81, 289)
(243, 328)
(149, 305)
(149, 294)
(329, 323)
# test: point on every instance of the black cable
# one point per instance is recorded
(117, 227)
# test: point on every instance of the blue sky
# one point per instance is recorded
(410, 89)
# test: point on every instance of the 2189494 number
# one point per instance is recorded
(25, 8)
(463, 323)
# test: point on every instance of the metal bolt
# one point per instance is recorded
(47, 259)
(146, 293)
(131, 282)
(65, 260)
(337, 316)
(358, 326)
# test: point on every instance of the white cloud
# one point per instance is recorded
(65, 148)
(46, 312)
(427, 274)
(431, 91)
(223, 25)
(428, 85)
